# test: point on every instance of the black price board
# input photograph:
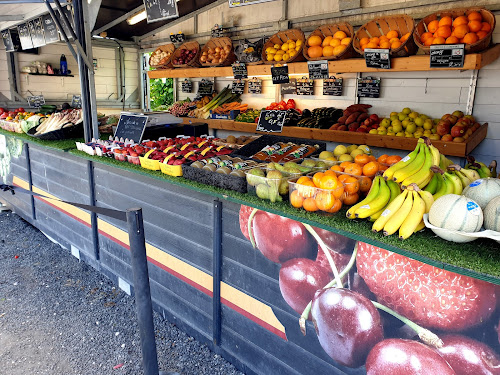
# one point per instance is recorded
(279, 74)
(7, 41)
(369, 87)
(24, 36)
(158, 10)
(377, 58)
(238, 3)
(239, 70)
(76, 102)
(255, 86)
(177, 38)
(50, 29)
(205, 87)
(36, 30)
(35, 101)
(131, 127)
(289, 88)
(217, 31)
(271, 121)
(305, 86)
(333, 86)
(318, 69)
(238, 87)
(447, 55)
(187, 86)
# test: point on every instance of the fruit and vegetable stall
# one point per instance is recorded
(292, 238)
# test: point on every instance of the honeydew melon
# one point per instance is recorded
(492, 215)
(482, 191)
(456, 212)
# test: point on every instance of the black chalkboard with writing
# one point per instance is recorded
(187, 86)
(76, 102)
(333, 86)
(318, 69)
(239, 70)
(50, 29)
(279, 74)
(255, 86)
(369, 87)
(271, 121)
(289, 88)
(35, 101)
(305, 87)
(131, 127)
(7, 41)
(447, 55)
(377, 58)
(24, 36)
(158, 10)
(36, 30)
(205, 87)
(238, 87)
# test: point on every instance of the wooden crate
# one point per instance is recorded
(280, 38)
(223, 42)
(195, 61)
(166, 63)
(330, 30)
(402, 23)
(480, 45)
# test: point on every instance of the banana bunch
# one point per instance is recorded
(465, 175)
(481, 168)
(444, 162)
(380, 195)
(415, 168)
(405, 213)
(444, 183)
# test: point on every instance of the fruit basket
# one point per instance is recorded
(269, 185)
(457, 16)
(222, 46)
(165, 62)
(304, 194)
(402, 24)
(281, 38)
(194, 62)
(328, 32)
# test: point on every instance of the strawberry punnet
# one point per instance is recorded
(427, 295)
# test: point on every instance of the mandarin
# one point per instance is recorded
(439, 40)
(364, 41)
(351, 199)
(343, 177)
(315, 51)
(324, 200)
(337, 205)
(339, 49)
(296, 200)
(371, 45)
(314, 40)
(335, 42)
(405, 37)
(393, 159)
(317, 177)
(340, 35)
(385, 44)
(452, 40)
(354, 169)
(474, 16)
(365, 183)
(392, 34)
(309, 204)
(336, 168)
(426, 36)
(351, 185)
(326, 41)
(460, 31)
(328, 51)
(375, 39)
(328, 182)
(433, 26)
(382, 158)
(361, 159)
(396, 45)
(461, 20)
(345, 41)
(444, 31)
(370, 169)
(445, 21)
(475, 26)
(429, 41)
(470, 38)
(481, 34)
(485, 26)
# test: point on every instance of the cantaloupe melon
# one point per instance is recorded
(492, 215)
(482, 191)
(456, 212)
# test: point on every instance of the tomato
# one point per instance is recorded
(291, 103)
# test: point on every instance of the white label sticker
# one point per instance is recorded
(406, 158)
(473, 208)
(367, 206)
(385, 213)
(476, 183)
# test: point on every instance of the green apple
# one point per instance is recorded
(411, 128)
(401, 116)
(394, 117)
(406, 111)
(382, 131)
(428, 124)
(373, 131)
(394, 114)
(391, 133)
(385, 122)
(419, 121)
(397, 127)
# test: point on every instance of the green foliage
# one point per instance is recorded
(161, 93)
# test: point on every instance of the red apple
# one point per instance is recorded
(443, 127)
(447, 138)
(374, 117)
(457, 131)
(368, 122)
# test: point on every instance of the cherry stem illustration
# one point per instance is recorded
(345, 271)
(250, 231)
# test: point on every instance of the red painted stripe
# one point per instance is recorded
(65, 212)
(109, 236)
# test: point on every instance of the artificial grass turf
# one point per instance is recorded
(62, 145)
(479, 259)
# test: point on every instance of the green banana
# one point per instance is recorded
(412, 168)
(395, 191)
(424, 174)
(414, 217)
(389, 172)
(433, 184)
(391, 209)
(399, 217)
(372, 194)
(456, 182)
(383, 196)
(446, 188)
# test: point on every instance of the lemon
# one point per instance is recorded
(292, 53)
(299, 42)
(286, 56)
(291, 44)
(270, 57)
(280, 52)
(297, 48)
(278, 57)
(271, 51)
(268, 49)
(285, 47)
(277, 46)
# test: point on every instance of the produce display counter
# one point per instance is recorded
(444, 287)
(399, 64)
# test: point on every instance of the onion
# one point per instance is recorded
(204, 53)
(203, 59)
(227, 49)
(221, 61)
(210, 51)
(217, 49)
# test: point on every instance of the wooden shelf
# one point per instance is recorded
(399, 64)
(48, 75)
(386, 141)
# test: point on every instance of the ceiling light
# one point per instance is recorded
(136, 18)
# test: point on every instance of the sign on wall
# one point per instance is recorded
(157, 10)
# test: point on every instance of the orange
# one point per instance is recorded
(392, 34)
(393, 159)
(433, 26)
(382, 167)
(382, 158)
(452, 40)
(361, 159)
(310, 204)
(339, 49)
(303, 179)
(345, 164)
(375, 39)
(328, 51)
(370, 169)
(314, 40)
(345, 41)
(354, 169)
(337, 205)
(371, 45)
(385, 44)
(444, 31)
(315, 51)
(439, 40)
(405, 37)
(324, 200)
(317, 177)
(307, 189)
(470, 38)
(425, 36)
(340, 35)
(364, 41)
(337, 168)
(351, 199)
(351, 185)
(339, 191)
(296, 200)
(330, 173)
(474, 16)
(460, 31)
(365, 183)
(336, 42)
(372, 158)
(343, 177)
(395, 45)
(429, 41)
(326, 41)
(475, 26)
(328, 182)
(481, 34)
(445, 21)
(485, 26)
(461, 20)
(392, 40)
(383, 38)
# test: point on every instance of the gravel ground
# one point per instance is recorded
(59, 316)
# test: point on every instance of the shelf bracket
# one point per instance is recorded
(472, 92)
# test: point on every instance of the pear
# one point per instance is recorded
(254, 176)
(274, 174)
(283, 188)
(340, 150)
(290, 164)
(271, 166)
(262, 191)
(321, 164)
(308, 163)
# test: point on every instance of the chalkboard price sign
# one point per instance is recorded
(447, 55)
(271, 121)
(76, 102)
(24, 36)
(333, 86)
(187, 86)
(255, 86)
(217, 31)
(177, 38)
(279, 74)
(131, 127)
(238, 87)
(36, 30)
(35, 101)
(369, 87)
(239, 70)
(158, 10)
(318, 69)
(205, 87)
(50, 29)
(377, 58)
(305, 86)
(289, 88)
(7, 41)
